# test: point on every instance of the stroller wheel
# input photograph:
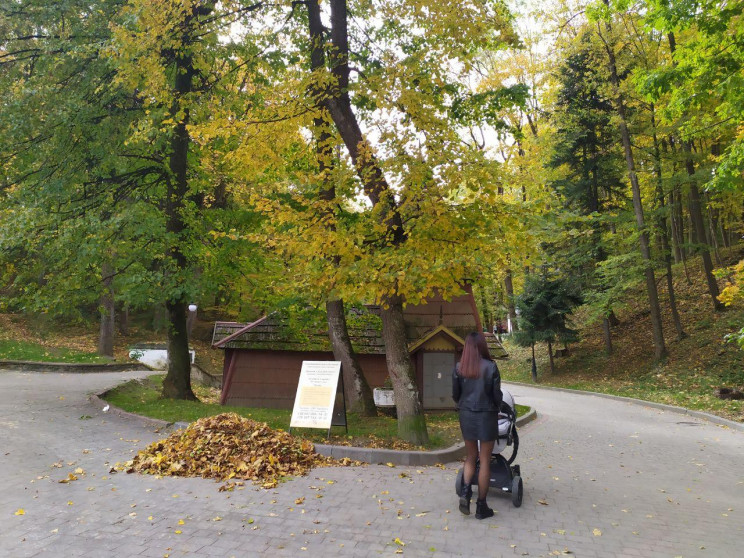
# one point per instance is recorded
(516, 490)
(459, 482)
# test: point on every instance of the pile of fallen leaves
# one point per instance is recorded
(229, 447)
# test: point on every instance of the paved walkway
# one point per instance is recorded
(603, 478)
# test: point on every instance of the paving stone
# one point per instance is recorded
(602, 477)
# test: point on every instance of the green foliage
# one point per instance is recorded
(702, 85)
(487, 107)
(544, 307)
(585, 138)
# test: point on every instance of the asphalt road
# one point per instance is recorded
(602, 478)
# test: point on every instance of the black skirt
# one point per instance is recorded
(479, 425)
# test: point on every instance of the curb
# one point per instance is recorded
(368, 455)
(661, 406)
(81, 368)
(405, 457)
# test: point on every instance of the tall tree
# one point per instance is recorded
(411, 422)
(696, 212)
(606, 33)
(63, 183)
(191, 79)
(544, 307)
(358, 393)
(418, 187)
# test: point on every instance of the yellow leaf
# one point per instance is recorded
(178, 532)
(20, 511)
(181, 522)
(597, 533)
(399, 542)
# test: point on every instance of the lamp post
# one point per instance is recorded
(190, 319)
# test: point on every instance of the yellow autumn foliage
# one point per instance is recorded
(733, 293)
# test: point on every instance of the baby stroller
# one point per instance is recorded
(504, 475)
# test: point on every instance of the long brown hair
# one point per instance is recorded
(475, 350)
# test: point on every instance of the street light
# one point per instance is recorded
(190, 319)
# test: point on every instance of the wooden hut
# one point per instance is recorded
(263, 358)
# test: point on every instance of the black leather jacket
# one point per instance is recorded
(478, 394)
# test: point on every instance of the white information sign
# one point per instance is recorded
(316, 394)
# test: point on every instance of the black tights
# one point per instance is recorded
(486, 448)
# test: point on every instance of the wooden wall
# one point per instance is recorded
(269, 378)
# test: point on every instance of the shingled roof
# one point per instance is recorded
(277, 332)
(273, 333)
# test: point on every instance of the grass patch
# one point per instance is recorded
(25, 350)
(680, 380)
(143, 397)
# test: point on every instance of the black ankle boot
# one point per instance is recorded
(465, 496)
(482, 511)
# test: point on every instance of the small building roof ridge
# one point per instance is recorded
(237, 333)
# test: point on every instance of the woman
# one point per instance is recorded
(476, 389)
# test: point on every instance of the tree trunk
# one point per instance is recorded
(534, 364)
(411, 421)
(607, 335)
(696, 213)
(550, 355)
(107, 329)
(662, 226)
(724, 234)
(677, 224)
(698, 225)
(613, 319)
(509, 288)
(653, 295)
(356, 389)
(488, 318)
(124, 320)
(713, 230)
(177, 382)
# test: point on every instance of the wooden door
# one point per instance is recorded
(438, 380)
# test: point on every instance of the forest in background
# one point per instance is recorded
(247, 157)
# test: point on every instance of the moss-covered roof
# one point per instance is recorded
(277, 333)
